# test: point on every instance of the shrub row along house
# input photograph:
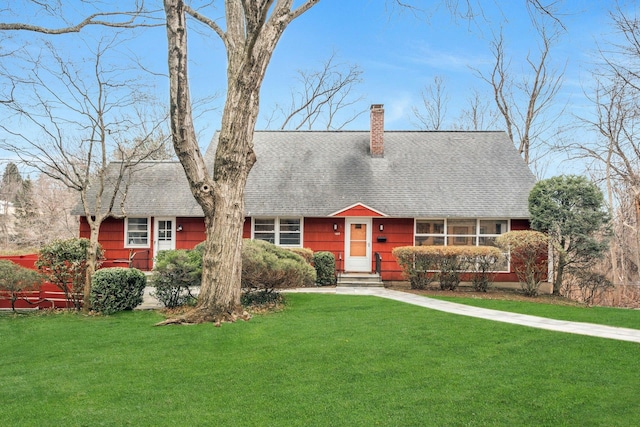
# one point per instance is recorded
(357, 194)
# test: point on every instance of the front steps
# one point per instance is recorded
(359, 280)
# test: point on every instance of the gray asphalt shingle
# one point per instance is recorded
(432, 174)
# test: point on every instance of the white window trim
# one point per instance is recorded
(477, 235)
(126, 233)
(446, 235)
(277, 229)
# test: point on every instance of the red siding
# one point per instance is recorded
(28, 261)
(246, 228)
(398, 232)
(318, 235)
(45, 295)
(111, 237)
(358, 210)
(192, 232)
(520, 224)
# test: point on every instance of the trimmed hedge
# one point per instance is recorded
(325, 264)
(527, 251)
(117, 289)
(423, 265)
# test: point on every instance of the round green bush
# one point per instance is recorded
(117, 289)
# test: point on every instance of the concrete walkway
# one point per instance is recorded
(594, 330)
(591, 329)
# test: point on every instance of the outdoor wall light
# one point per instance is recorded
(335, 226)
(179, 228)
(381, 227)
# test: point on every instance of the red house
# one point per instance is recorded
(357, 194)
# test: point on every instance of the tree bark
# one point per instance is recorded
(557, 283)
(252, 32)
(92, 263)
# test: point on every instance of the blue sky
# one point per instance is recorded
(398, 53)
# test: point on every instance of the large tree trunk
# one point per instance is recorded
(222, 262)
(250, 40)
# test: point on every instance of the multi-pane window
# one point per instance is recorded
(430, 232)
(490, 229)
(470, 232)
(279, 231)
(136, 232)
(452, 232)
(289, 232)
(264, 229)
(461, 232)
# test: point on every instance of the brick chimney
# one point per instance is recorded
(376, 143)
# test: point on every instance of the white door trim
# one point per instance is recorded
(156, 239)
(358, 263)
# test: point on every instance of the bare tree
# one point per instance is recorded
(617, 155)
(126, 18)
(623, 58)
(523, 104)
(68, 122)
(54, 202)
(322, 98)
(614, 154)
(432, 113)
(478, 115)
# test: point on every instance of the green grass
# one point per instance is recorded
(621, 317)
(326, 360)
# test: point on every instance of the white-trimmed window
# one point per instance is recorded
(136, 232)
(279, 231)
(452, 232)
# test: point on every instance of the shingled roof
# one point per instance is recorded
(424, 174)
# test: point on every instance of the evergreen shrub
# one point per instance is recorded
(15, 279)
(64, 263)
(117, 289)
(325, 264)
(175, 274)
(305, 253)
(266, 267)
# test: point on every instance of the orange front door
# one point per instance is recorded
(358, 244)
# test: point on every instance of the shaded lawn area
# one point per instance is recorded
(326, 360)
(621, 317)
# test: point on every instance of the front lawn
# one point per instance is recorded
(325, 360)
